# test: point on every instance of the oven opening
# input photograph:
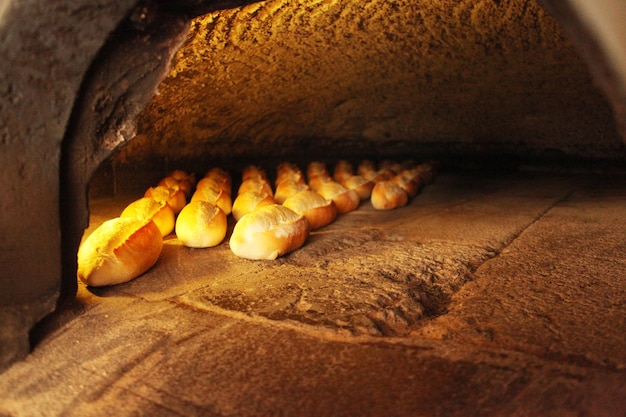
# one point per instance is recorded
(490, 280)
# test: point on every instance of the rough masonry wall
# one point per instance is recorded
(326, 78)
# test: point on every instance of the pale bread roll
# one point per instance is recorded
(317, 210)
(249, 201)
(147, 208)
(173, 196)
(287, 188)
(387, 196)
(346, 200)
(118, 251)
(201, 225)
(362, 186)
(268, 233)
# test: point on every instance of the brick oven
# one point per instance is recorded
(468, 301)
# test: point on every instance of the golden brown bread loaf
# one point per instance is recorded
(217, 197)
(362, 186)
(253, 172)
(317, 210)
(180, 175)
(147, 208)
(345, 200)
(201, 225)
(171, 182)
(268, 232)
(118, 251)
(216, 184)
(174, 196)
(258, 185)
(343, 171)
(408, 182)
(288, 187)
(316, 168)
(366, 169)
(289, 171)
(249, 201)
(387, 196)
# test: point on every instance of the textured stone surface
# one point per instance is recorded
(535, 330)
(45, 49)
(326, 77)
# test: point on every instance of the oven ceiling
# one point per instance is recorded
(384, 78)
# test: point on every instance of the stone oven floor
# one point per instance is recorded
(490, 295)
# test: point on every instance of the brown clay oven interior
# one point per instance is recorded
(499, 290)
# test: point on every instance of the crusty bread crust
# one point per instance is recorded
(118, 251)
(269, 232)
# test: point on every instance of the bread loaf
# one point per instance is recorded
(118, 251)
(174, 196)
(216, 184)
(146, 209)
(249, 201)
(201, 225)
(171, 182)
(258, 185)
(317, 210)
(268, 233)
(362, 186)
(345, 200)
(387, 196)
(316, 168)
(408, 182)
(288, 187)
(253, 172)
(343, 171)
(219, 198)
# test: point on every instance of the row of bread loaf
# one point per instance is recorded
(269, 224)
(123, 248)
